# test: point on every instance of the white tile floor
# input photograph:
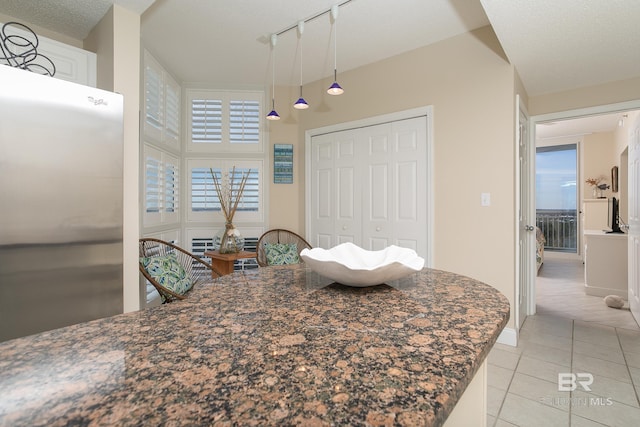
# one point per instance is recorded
(572, 333)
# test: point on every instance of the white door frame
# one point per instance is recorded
(633, 250)
(372, 121)
(527, 270)
(561, 115)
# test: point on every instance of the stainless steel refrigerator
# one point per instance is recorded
(60, 203)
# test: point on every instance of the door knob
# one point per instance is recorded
(377, 228)
(529, 227)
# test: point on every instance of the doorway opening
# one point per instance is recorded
(575, 123)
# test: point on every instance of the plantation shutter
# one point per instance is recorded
(172, 112)
(153, 203)
(206, 121)
(244, 122)
(205, 198)
(154, 93)
(250, 201)
(171, 188)
(203, 193)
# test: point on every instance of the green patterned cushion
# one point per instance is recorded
(167, 271)
(281, 253)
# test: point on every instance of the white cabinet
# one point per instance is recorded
(594, 214)
(72, 64)
(605, 263)
(369, 186)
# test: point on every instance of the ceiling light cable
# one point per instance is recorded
(335, 88)
(273, 115)
(300, 104)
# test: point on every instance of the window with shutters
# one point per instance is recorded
(162, 98)
(204, 204)
(161, 187)
(226, 122)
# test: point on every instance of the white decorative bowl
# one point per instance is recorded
(351, 265)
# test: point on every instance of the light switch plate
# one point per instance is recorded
(485, 199)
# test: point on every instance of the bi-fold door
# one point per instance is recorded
(369, 186)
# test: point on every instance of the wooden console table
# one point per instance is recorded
(224, 262)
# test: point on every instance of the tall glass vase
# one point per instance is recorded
(229, 240)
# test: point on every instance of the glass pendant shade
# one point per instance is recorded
(273, 115)
(335, 89)
(301, 104)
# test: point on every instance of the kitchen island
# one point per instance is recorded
(273, 346)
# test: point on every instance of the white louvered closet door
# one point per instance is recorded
(369, 186)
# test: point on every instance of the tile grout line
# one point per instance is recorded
(624, 356)
(573, 338)
(508, 387)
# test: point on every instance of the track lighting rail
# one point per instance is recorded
(311, 18)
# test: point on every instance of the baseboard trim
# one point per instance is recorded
(508, 336)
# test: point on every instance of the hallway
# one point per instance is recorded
(560, 292)
(572, 333)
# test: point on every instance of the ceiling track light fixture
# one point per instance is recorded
(335, 88)
(300, 104)
(273, 114)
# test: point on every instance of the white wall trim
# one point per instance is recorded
(508, 336)
(589, 111)
(426, 111)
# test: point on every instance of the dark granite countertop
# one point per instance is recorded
(262, 347)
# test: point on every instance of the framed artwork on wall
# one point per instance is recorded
(614, 179)
(283, 163)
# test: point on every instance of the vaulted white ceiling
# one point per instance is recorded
(559, 45)
(73, 18)
(227, 43)
(554, 45)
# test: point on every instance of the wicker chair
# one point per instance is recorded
(198, 270)
(278, 235)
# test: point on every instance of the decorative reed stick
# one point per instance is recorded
(229, 206)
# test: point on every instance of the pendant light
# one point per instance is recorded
(335, 88)
(300, 104)
(273, 115)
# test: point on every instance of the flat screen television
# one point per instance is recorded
(613, 219)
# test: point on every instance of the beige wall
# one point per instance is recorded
(285, 200)
(101, 41)
(471, 88)
(599, 157)
(116, 40)
(609, 93)
(622, 133)
(622, 157)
